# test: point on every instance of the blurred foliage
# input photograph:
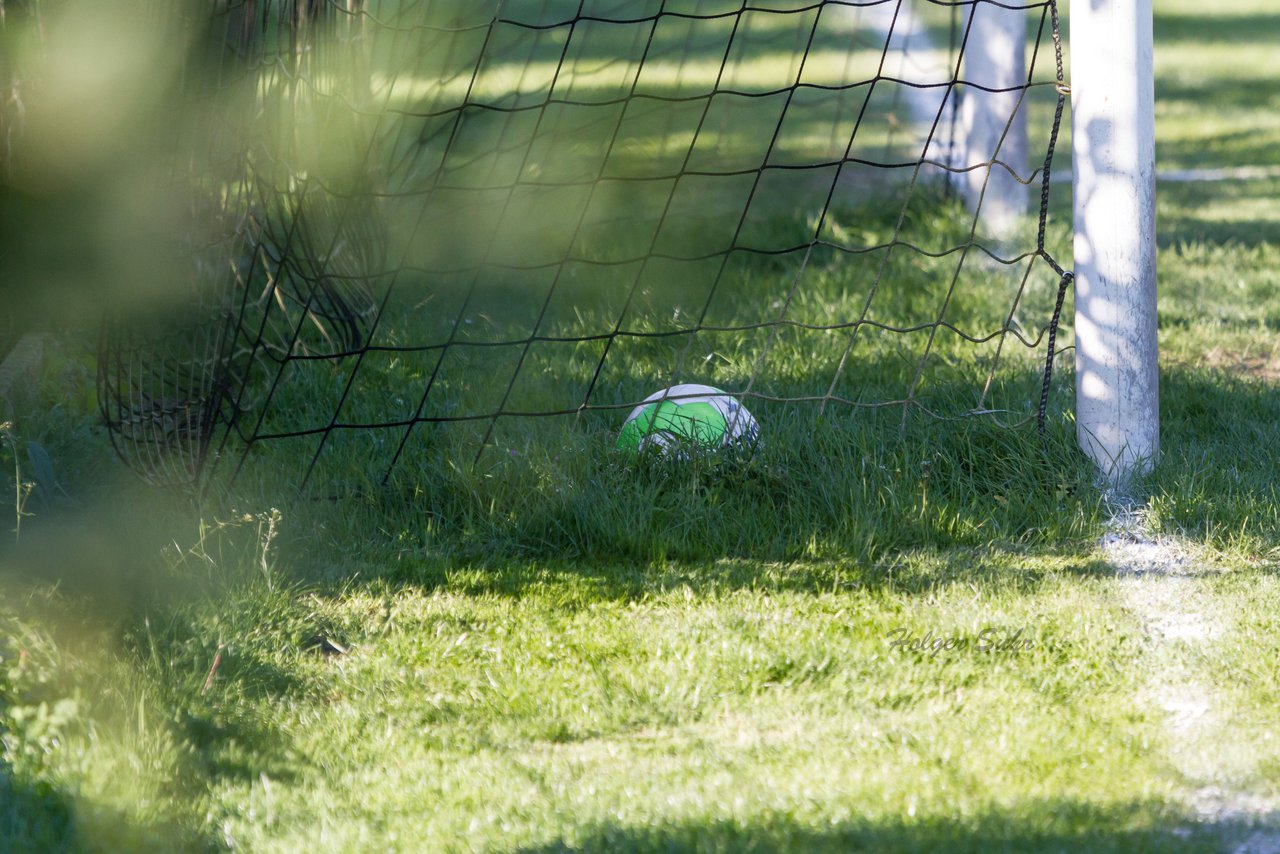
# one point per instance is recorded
(88, 91)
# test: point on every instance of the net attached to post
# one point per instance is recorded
(425, 229)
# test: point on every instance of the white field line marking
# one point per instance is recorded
(1157, 578)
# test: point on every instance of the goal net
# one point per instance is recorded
(425, 230)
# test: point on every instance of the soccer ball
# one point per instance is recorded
(688, 416)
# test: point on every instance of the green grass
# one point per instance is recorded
(559, 649)
(548, 705)
(929, 371)
(534, 704)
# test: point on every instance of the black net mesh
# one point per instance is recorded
(422, 228)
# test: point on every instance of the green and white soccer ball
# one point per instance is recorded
(688, 416)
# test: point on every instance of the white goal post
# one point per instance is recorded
(1114, 192)
(993, 118)
(1113, 168)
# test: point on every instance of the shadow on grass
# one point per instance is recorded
(1206, 28)
(580, 583)
(34, 818)
(1054, 825)
(1194, 212)
(90, 578)
(849, 487)
(1217, 477)
(42, 818)
(1235, 93)
(961, 506)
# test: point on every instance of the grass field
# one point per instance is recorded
(875, 640)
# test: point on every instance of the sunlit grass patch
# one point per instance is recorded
(534, 710)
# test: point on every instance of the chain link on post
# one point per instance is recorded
(1046, 174)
